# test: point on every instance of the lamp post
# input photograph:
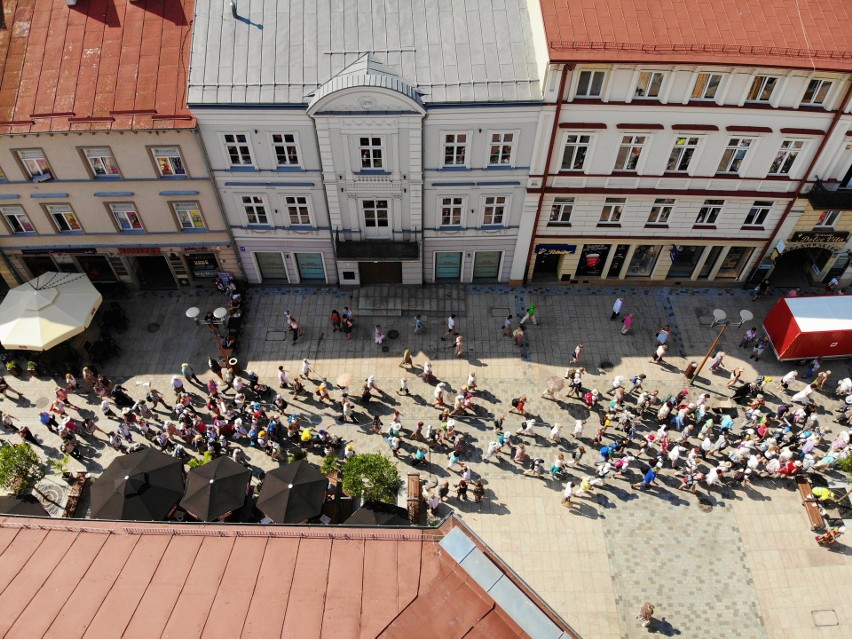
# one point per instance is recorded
(720, 318)
(212, 321)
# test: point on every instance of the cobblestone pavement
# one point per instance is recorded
(747, 568)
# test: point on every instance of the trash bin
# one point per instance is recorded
(690, 370)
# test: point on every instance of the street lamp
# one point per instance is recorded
(212, 321)
(720, 318)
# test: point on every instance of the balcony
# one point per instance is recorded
(378, 250)
(822, 198)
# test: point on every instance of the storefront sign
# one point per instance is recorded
(140, 251)
(192, 249)
(203, 265)
(592, 260)
(63, 251)
(555, 249)
(814, 239)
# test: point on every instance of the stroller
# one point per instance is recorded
(749, 390)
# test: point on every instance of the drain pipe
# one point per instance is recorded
(560, 100)
(831, 127)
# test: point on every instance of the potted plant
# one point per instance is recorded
(20, 469)
(296, 455)
(32, 368)
(196, 462)
(330, 466)
(60, 466)
(13, 367)
(372, 477)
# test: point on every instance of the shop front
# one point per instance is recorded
(808, 258)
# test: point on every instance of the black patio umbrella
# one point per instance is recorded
(215, 489)
(26, 505)
(377, 513)
(140, 486)
(292, 493)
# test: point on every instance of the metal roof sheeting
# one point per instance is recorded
(280, 51)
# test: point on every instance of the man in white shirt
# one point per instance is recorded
(451, 327)
(616, 307)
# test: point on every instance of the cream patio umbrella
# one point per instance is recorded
(47, 310)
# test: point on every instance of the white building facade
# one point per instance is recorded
(388, 144)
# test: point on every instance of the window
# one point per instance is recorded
(734, 263)
(709, 211)
(493, 210)
(681, 155)
(238, 149)
(126, 216)
(560, 211)
(590, 84)
(828, 218)
(64, 218)
(101, 162)
(286, 149)
(451, 211)
(17, 220)
(761, 88)
(188, 215)
(297, 210)
(661, 211)
(35, 163)
(613, 207)
(371, 153)
(734, 155)
(169, 162)
(375, 213)
(816, 92)
(255, 208)
(629, 152)
(576, 149)
(758, 212)
(649, 84)
(785, 157)
(455, 149)
(706, 85)
(500, 150)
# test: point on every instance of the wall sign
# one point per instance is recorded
(592, 260)
(555, 249)
(203, 265)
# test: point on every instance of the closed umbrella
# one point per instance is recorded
(216, 489)
(376, 513)
(141, 486)
(292, 493)
(24, 505)
(47, 310)
(555, 384)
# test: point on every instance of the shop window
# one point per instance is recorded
(734, 263)
(709, 262)
(643, 261)
(168, 160)
(684, 261)
(97, 268)
(17, 220)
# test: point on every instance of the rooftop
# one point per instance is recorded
(808, 34)
(98, 65)
(96, 579)
(280, 51)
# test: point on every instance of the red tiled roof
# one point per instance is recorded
(102, 64)
(786, 33)
(77, 578)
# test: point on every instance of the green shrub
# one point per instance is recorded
(373, 477)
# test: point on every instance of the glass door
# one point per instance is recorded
(486, 266)
(448, 266)
(271, 266)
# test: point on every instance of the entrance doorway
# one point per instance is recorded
(448, 266)
(153, 272)
(486, 266)
(546, 267)
(271, 267)
(799, 267)
(380, 272)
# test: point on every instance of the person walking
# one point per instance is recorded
(214, 366)
(568, 494)
(530, 315)
(647, 480)
(306, 369)
(748, 337)
(788, 379)
(660, 353)
(627, 324)
(347, 328)
(295, 328)
(336, 321)
(812, 368)
(406, 359)
(760, 290)
(735, 376)
(189, 374)
(451, 327)
(759, 347)
(507, 326)
(283, 378)
(616, 308)
(716, 364)
(578, 353)
(458, 345)
(663, 335)
(379, 334)
(646, 614)
(519, 336)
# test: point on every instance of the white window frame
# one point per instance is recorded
(287, 147)
(786, 157)
(128, 210)
(376, 209)
(240, 144)
(574, 143)
(561, 208)
(101, 162)
(819, 85)
(661, 210)
(255, 208)
(35, 164)
(612, 211)
(494, 207)
(300, 207)
(501, 141)
(646, 83)
(183, 211)
(758, 87)
(65, 213)
(735, 153)
(709, 212)
(683, 153)
(630, 142)
(586, 80)
(704, 84)
(828, 219)
(451, 144)
(168, 155)
(371, 155)
(17, 213)
(758, 212)
(454, 204)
